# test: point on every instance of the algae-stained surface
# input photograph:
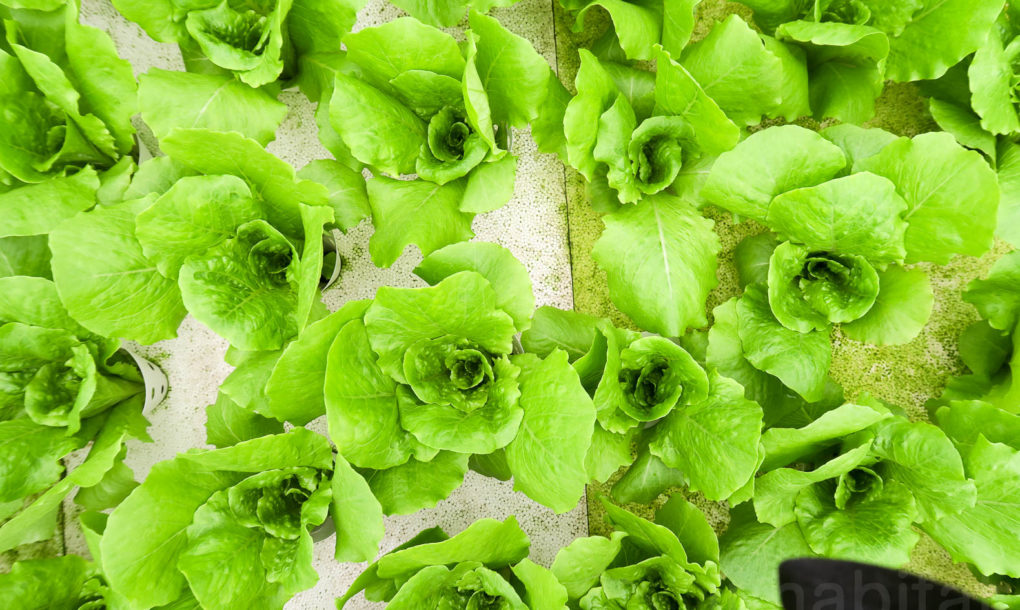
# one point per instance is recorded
(906, 375)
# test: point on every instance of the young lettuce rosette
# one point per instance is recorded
(258, 43)
(67, 102)
(852, 484)
(651, 391)
(977, 102)
(408, 99)
(652, 126)
(851, 45)
(419, 383)
(672, 562)
(61, 387)
(233, 527)
(484, 566)
(219, 228)
(850, 206)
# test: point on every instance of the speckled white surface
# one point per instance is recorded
(533, 226)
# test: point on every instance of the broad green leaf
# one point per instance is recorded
(960, 26)
(196, 214)
(272, 181)
(547, 456)
(858, 142)
(385, 51)
(346, 190)
(512, 73)
(963, 124)
(580, 564)
(934, 175)
(728, 63)
(148, 531)
(97, 260)
(361, 401)
(414, 485)
(645, 479)
(858, 214)
(714, 442)
(357, 515)
(638, 27)
(662, 247)
(691, 527)
(776, 492)
(30, 457)
(542, 590)
(786, 445)
(296, 448)
(983, 534)
(365, 117)
(220, 103)
(922, 457)
(997, 297)
(769, 163)
(490, 186)
(876, 529)
(844, 66)
(902, 309)
(494, 544)
(677, 93)
(28, 256)
(800, 360)
(228, 424)
(507, 276)
(751, 553)
(230, 289)
(462, 305)
(415, 212)
(36, 209)
(295, 387)
(222, 560)
(596, 92)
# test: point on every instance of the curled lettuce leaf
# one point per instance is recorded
(810, 290)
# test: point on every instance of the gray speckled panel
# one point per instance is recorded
(533, 226)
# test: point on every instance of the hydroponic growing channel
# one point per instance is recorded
(507, 304)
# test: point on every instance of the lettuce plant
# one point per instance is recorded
(851, 484)
(672, 562)
(220, 228)
(650, 388)
(648, 138)
(258, 42)
(453, 108)
(60, 388)
(417, 381)
(484, 566)
(67, 104)
(849, 206)
(852, 44)
(232, 526)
